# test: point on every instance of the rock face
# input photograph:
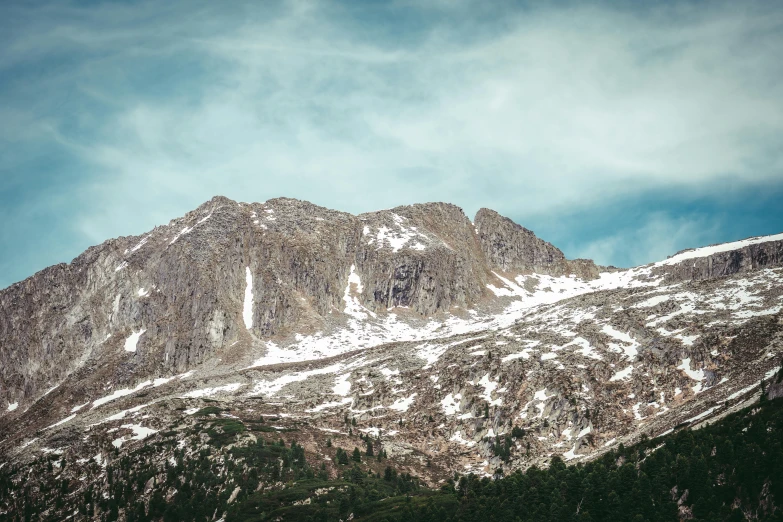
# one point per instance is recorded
(425, 257)
(775, 387)
(510, 247)
(183, 284)
(745, 258)
(435, 334)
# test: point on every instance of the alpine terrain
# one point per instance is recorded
(268, 361)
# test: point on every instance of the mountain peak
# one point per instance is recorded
(510, 247)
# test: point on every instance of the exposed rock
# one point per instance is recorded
(510, 247)
(720, 264)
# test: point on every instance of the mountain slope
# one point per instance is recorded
(435, 336)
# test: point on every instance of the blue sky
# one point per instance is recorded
(617, 133)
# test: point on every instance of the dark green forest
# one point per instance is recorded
(731, 470)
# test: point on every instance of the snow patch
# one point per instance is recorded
(79, 407)
(133, 340)
(622, 374)
(140, 244)
(123, 413)
(451, 403)
(702, 414)
(489, 387)
(626, 340)
(184, 231)
(524, 354)
(687, 340)
(636, 414)
(741, 392)
(403, 404)
(352, 305)
(586, 349)
(342, 385)
(326, 405)
(139, 433)
(686, 367)
(119, 393)
(209, 392)
(247, 309)
(396, 239)
(570, 454)
(457, 437)
(658, 299)
(67, 419)
(272, 387)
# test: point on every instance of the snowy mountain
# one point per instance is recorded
(437, 336)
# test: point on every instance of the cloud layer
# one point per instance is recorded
(119, 117)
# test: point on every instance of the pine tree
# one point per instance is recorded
(341, 457)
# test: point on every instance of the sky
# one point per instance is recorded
(619, 131)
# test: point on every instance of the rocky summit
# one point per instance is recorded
(447, 345)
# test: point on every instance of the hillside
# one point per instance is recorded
(439, 344)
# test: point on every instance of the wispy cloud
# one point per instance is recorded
(532, 111)
(659, 237)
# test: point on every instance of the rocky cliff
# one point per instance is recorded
(509, 247)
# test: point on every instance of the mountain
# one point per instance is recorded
(184, 285)
(449, 345)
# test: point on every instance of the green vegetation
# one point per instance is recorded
(729, 471)
(208, 410)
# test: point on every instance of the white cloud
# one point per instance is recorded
(544, 110)
(566, 107)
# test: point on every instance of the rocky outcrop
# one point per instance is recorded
(49, 322)
(774, 388)
(720, 264)
(423, 256)
(510, 247)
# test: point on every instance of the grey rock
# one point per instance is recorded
(745, 259)
(510, 247)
